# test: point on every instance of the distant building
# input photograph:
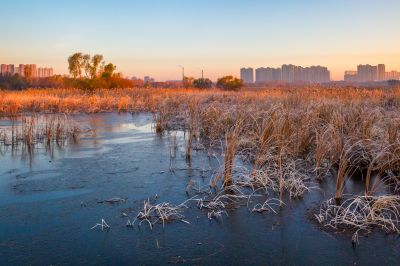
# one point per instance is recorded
(268, 74)
(21, 70)
(3, 69)
(33, 70)
(288, 73)
(45, 72)
(313, 74)
(40, 72)
(367, 73)
(292, 73)
(350, 76)
(7, 70)
(263, 74)
(10, 69)
(247, 75)
(392, 75)
(381, 72)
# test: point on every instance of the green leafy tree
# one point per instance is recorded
(202, 83)
(230, 83)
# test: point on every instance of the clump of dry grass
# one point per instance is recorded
(160, 213)
(222, 200)
(362, 213)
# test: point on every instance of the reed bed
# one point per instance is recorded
(28, 131)
(288, 138)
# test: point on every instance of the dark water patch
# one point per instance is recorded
(47, 218)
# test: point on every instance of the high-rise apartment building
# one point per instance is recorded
(288, 73)
(45, 72)
(292, 73)
(7, 69)
(268, 74)
(381, 72)
(10, 69)
(247, 75)
(40, 72)
(367, 73)
(350, 76)
(33, 70)
(21, 70)
(392, 75)
(3, 69)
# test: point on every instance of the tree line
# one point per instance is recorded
(92, 72)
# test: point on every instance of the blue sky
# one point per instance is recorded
(153, 37)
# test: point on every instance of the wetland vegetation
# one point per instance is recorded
(273, 143)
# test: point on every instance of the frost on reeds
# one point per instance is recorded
(31, 130)
(218, 203)
(286, 137)
(160, 213)
(362, 214)
(250, 186)
(103, 225)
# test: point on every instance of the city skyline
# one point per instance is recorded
(287, 73)
(370, 73)
(26, 69)
(216, 36)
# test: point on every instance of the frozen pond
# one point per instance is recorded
(49, 200)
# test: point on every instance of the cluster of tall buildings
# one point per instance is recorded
(369, 73)
(286, 73)
(23, 70)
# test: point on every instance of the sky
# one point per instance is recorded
(155, 37)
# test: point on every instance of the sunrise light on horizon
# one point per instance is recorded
(155, 37)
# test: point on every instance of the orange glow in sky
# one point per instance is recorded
(154, 37)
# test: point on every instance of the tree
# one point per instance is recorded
(230, 83)
(97, 74)
(108, 70)
(188, 82)
(85, 64)
(97, 60)
(76, 63)
(202, 83)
